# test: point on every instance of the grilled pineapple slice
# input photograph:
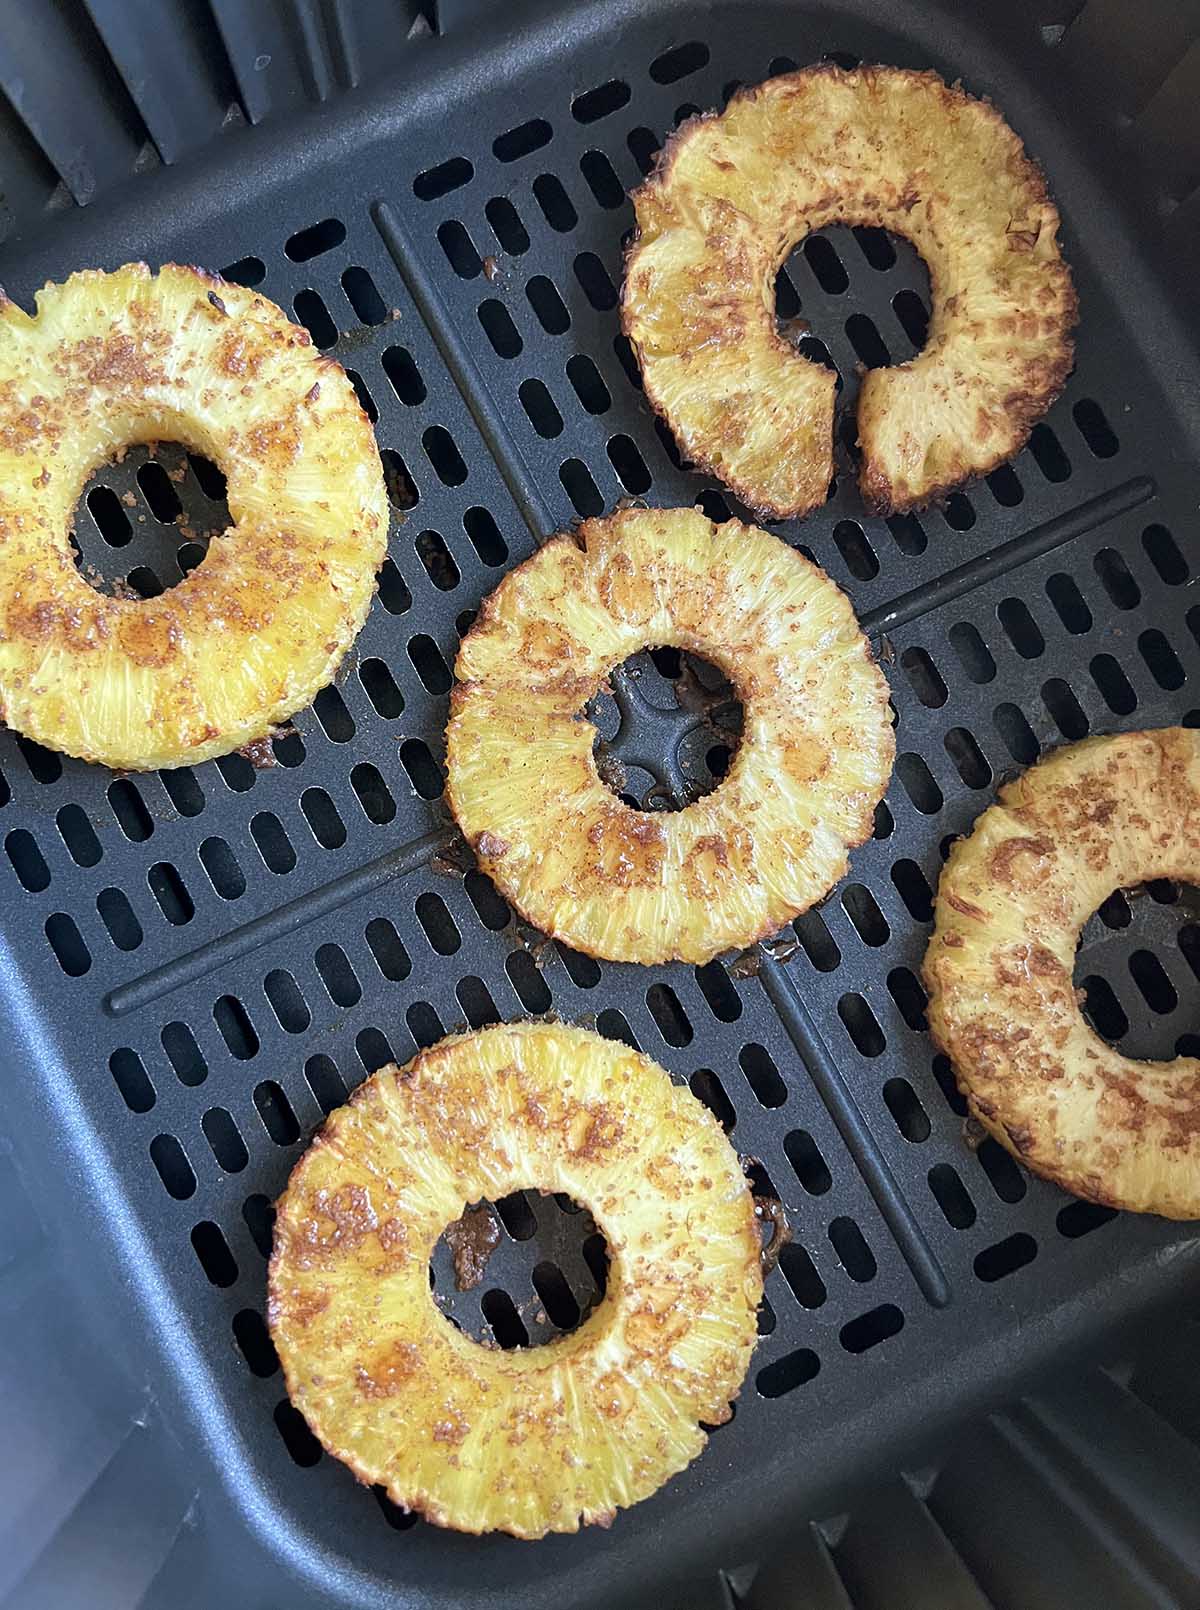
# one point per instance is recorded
(731, 197)
(540, 1439)
(252, 633)
(1100, 815)
(770, 840)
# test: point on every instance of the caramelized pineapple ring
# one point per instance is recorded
(771, 839)
(732, 196)
(540, 1439)
(1105, 814)
(250, 635)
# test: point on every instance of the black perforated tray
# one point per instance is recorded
(197, 965)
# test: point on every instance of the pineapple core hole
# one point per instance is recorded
(668, 724)
(1129, 995)
(830, 285)
(145, 519)
(520, 1271)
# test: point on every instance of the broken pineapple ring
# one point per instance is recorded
(771, 839)
(251, 634)
(731, 197)
(1105, 814)
(539, 1439)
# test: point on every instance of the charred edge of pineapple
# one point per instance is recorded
(1025, 408)
(1033, 1138)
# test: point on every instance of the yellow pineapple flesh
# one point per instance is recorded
(772, 838)
(532, 1440)
(251, 634)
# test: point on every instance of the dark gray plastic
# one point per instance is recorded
(1079, 1495)
(248, 942)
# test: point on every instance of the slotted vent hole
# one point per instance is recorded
(287, 1001)
(372, 793)
(952, 1196)
(68, 945)
(276, 1113)
(238, 1032)
(507, 227)
(522, 140)
(254, 1342)
(259, 1213)
(185, 1056)
(372, 1045)
(528, 982)
(272, 842)
(1006, 1257)
(119, 919)
(800, 1273)
(325, 1082)
(436, 182)
(784, 1375)
(602, 179)
(1003, 1173)
(706, 1086)
(44, 765)
(476, 1001)
(132, 1080)
(174, 1169)
(78, 835)
(302, 1446)
(247, 271)
(490, 905)
(816, 941)
(679, 62)
(853, 1253)
(27, 861)
(762, 1075)
(459, 248)
(315, 239)
(807, 1162)
(212, 1251)
(171, 893)
(870, 1329)
(225, 1139)
(363, 295)
(310, 309)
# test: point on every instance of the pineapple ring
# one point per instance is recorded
(255, 630)
(540, 1439)
(901, 150)
(770, 840)
(1096, 816)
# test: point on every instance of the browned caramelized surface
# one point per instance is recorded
(472, 1239)
(882, 146)
(1100, 815)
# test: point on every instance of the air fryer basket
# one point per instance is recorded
(197, 965)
